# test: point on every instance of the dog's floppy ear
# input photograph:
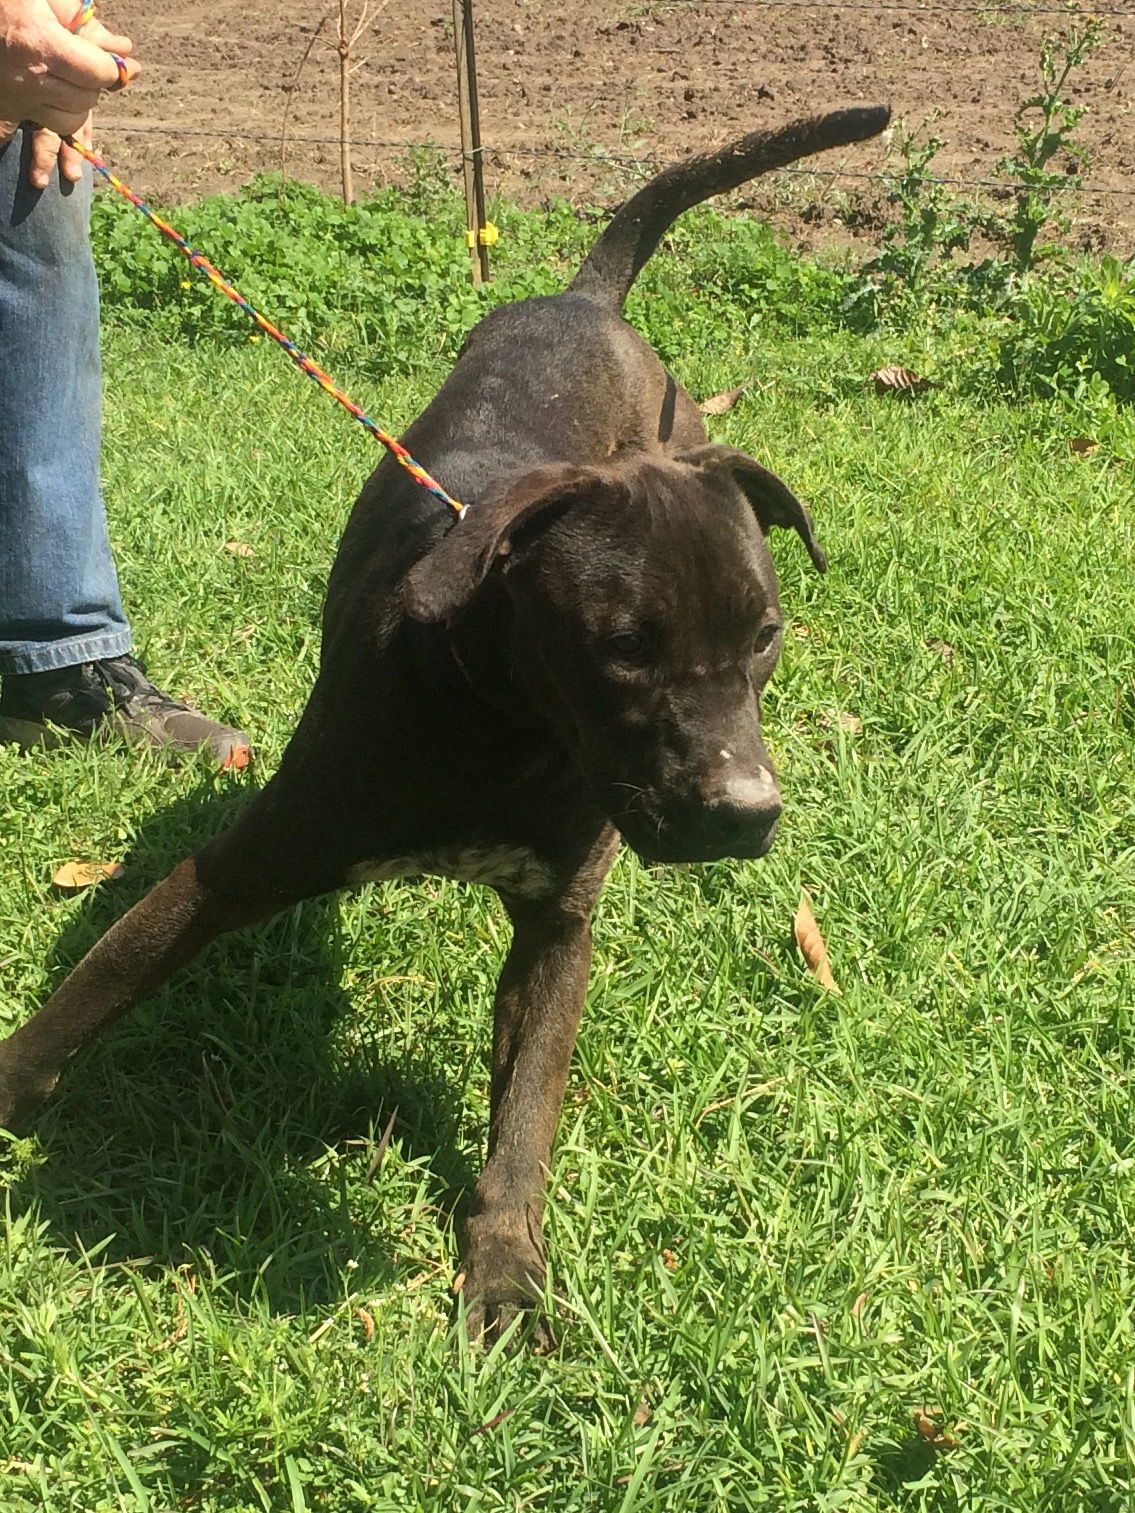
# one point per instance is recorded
(444, 580)
(773, 501)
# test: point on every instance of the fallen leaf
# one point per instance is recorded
(1082, 444)
(73, 876)
(717, 404)
(367, 1322)
(900, 381)
(925, 1421)
(642, 1413)
(669, 1260)
(943, 648)
(858, 1306)
(240, 549)
(841, 718)
(811, 944)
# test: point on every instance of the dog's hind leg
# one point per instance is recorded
(538, 1007)
(224, 887)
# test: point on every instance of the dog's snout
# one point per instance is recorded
(731, 813)
(743, 807)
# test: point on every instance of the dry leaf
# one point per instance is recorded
(832, 719)
(367, 1322)
(858, 1306)
(811, 944)
(925, 1423)
(900, 381)
(943, 648)
(1082, 444)
(73, 876)
(717, 404)
(642, 1413)
(669, 1260)
(240, 549)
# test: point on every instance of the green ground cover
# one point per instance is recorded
(781, 1222)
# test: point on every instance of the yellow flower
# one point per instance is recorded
(255, 336)
(185, 283)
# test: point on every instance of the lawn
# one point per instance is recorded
(862, 1253)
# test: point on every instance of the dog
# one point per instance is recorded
(579, 658)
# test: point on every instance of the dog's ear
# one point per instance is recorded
(444, 580)
(773, 501)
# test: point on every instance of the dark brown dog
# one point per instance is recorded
(581, 657)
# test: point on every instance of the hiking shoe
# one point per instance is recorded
(40, 708)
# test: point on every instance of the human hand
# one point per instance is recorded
(46, 74)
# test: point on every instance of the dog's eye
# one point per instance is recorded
(628, 645)
(765, 637)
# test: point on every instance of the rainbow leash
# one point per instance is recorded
(301, 360)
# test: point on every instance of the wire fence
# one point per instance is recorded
(609, 174)
(1066, 11)
(646, 163)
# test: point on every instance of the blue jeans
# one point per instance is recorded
(59, 599)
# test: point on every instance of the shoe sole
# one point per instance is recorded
(30, 735)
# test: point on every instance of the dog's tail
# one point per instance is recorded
(613, 263)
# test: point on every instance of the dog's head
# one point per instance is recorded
(643, 624)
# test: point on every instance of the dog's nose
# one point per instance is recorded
(743, 808)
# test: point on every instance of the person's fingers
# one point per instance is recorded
(52, 102)
(45, 151)
(74, 60)
(70, 163)
(110, 42)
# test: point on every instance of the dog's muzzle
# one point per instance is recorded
(735, 818)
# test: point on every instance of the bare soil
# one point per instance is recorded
(226, 92)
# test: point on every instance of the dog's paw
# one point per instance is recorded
(501, 1284)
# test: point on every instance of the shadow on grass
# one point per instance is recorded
(222, 1123)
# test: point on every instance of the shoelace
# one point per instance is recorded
(124, 689)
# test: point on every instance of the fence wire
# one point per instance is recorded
(1068, 12)
(647, 164)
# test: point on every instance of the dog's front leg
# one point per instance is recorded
(538, 1007)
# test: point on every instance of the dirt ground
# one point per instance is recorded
(229, 91)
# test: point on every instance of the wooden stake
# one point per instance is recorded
(344, 50)
(470, 116)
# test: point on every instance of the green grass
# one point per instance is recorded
(781, 1220)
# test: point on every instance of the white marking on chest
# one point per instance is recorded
(516, 869)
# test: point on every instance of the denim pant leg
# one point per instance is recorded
(59, 599)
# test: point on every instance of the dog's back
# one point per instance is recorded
(561, 378)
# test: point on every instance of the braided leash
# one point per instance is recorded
(304, 363)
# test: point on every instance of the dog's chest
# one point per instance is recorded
(514, 869)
